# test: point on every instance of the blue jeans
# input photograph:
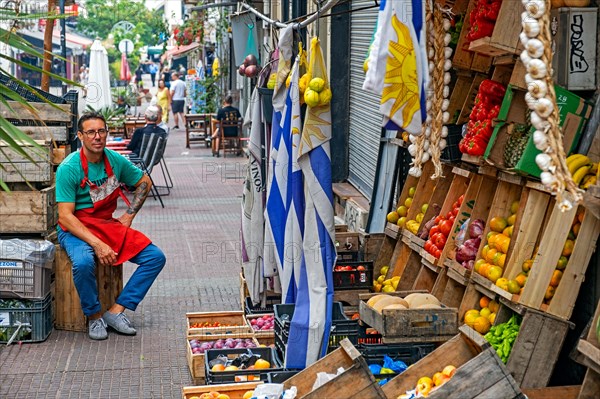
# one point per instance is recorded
(151, 261)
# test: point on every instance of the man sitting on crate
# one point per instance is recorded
(88, 184)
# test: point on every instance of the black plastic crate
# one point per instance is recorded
(249, 308)
(280, 349)
(341, 326)
(279, 377)
(451, 152)
(34, 317)
(228, 377)
(369, 336)
(353, 279)
(407, 353)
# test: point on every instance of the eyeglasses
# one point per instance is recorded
(92, 133)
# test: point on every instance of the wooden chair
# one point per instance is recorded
(197, 129)
(230, 144)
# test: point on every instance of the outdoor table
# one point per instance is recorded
(197, 128)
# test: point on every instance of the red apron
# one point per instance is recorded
(125, 241)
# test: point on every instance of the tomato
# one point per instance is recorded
(461, 199)
(348, 268)
(438, 253)
(451, 218)
(449, 214)
(446, 227)
(438, 219)
(434, 230)
(439, 240)
(427, 245)
(455, 211)
(361, 268)
(455, 205)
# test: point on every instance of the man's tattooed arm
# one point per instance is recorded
(139, 196)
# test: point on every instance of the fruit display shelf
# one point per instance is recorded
(355, 382)
(473, 360)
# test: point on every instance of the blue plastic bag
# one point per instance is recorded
(397, 366)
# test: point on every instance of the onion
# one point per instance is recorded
(242, 70)
(251, 71)
(475, 229)
(250, 60)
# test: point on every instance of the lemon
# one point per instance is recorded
(316, 84)
(303, 83)
(388, 288)
(311, 98)
(419, 217)
(485, 312)
(325, 97)
(401, 221)
(384, 270)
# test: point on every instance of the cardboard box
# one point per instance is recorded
(574, 113)
(573, 32)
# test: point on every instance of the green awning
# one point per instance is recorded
(155, 50)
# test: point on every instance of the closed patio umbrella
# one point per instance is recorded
(98, 87)
(125, 70)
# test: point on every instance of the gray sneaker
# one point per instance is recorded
(97, 329)
(119, 322)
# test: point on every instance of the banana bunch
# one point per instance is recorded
(585, 172)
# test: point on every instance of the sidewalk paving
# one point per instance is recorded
(199, 232)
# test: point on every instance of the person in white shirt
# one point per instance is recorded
(178, 93)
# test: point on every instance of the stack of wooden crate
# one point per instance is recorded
(29, 211)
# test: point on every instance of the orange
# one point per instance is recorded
(214, 394)
(549, 293)
(491, 234)
(514, 207)
(494, 306)
(222, 396)
(492, 241)
(393, 217)
(484, 251)
(490, 255)
(504, 244)
(502, 283)
(575, 229)
(478, 265)
(485, 312)
(262, 364)
(482, 325)
(231, 368)
(483, 270)
(494, 273)
(568, 248)
(513, 287)
(502, 260)
(527, 265)
(508, 231)
(497, 256)
(498, 224)
(511, 219)
(521, 279)
(484, 302)
(556, 277)
(218, 367)
(562, 263)
(206, 396)
(580, 217)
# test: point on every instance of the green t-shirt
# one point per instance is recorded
(70, 174)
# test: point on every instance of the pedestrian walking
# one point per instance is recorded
(153, 69)
(178, 93)
(138, 76)
(88, 185)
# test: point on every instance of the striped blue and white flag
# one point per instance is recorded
(311, 322)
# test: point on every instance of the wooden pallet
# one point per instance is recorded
(355, 382)
(16, 168)
(474, 359)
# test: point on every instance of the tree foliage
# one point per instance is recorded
(102, 15)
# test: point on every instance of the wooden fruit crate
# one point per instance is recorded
(28, 211)
(235, 319)
(474, 360)
(455, 285)
(463, 58)
(268, 334)
(429, 277)
(410, 325)
(469, 99)
(68, 313)
(546, 258)
(196, 361)
(58, 134)
(15, 168)
(535, 352)
(355, 382)
(566, 392)
(505, 38)
(349, 298)
(589, 348)
(477, 202)
(234, 391)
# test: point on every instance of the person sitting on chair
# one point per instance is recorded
(229, 115)
(152, 116)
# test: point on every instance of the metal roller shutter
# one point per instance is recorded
(364, 118)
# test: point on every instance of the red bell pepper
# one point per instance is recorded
(492, 89)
